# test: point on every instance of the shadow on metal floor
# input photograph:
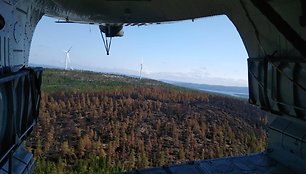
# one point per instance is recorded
(252, 163)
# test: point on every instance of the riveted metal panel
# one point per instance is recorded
(21, 19)
(286, 142)
(4, 51)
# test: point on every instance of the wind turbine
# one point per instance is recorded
(141, 68)
(67, 58)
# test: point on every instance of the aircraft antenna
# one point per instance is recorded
(109, 31)
(107, 41)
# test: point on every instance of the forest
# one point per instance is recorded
(106, 123)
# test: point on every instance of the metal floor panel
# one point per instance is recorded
(22, 162)
(252, 163)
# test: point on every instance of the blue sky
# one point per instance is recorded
(207, 50)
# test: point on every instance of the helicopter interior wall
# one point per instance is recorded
(278, 86)
(19, 99)
(7, 131)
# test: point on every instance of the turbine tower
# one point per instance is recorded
(67, 58)
(141, 67)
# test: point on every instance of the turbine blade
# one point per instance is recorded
(69, 49)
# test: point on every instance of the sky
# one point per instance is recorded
(207, 50)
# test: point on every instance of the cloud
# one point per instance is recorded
(197, 77)
(203, 68)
